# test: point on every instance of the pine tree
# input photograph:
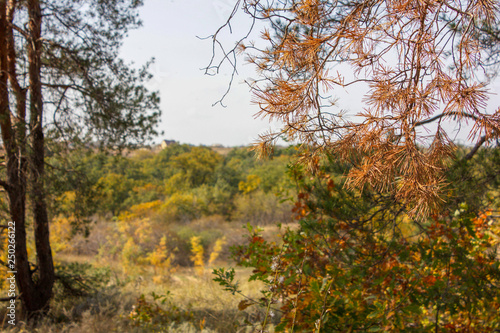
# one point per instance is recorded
(60, 77)
(423, 64)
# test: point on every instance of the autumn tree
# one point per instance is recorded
(359, 263)
(416, 65)
(397, 231)
(60, 77)
(197, 166)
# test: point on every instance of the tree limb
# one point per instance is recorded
(20, 30)
(475, 149)
(454, 113)
(5, 185)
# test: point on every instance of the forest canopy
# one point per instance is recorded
(61, 80)
(396, 234)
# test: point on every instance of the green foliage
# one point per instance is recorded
(197, 166)
(115, 190)
(157, 314)
(225, 278)
(80, 57)
(260, 208)
(191, 181)
(359, 263)
(158, 195)
(79, 279)
(215, 200)
(72, 191)
(182, 207)
(172, 151)
(475, 181)
(271, 173)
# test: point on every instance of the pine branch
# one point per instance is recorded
(439, 116)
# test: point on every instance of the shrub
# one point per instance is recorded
(359, 263)
(260, 208)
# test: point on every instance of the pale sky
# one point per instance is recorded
(169, 34)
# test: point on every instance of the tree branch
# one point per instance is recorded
(5, 185)
(454, 113)
(67, 86)
(20, 30)
(475, 149)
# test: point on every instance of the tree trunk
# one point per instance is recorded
(45, 264)
(35, 292)
(15, 183)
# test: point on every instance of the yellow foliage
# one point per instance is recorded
(138, 235)
(60, 233)
(67, 199)
(136, 223)
(144, 231)
(131, 256)
(161, 261)
(181, 207)
(252, 183)
(158, 256)
(176, 183)
(217, 250)
(140, 211)
(3, 250)
(197, 254)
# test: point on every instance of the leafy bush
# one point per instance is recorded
(260, 208)
(79, 279)
(157, 314)
(359, 263)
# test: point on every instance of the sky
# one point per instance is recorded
(170, 34)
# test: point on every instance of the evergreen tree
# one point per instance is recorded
(60, 77)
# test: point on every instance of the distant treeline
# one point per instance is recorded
(190, 181)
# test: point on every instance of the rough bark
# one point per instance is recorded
(18, 91)
(22, 111)
(15, 183)
(35, 291)
(45, 264)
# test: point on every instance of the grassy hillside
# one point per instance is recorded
(136, 236)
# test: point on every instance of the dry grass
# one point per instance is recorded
(193, 302)
(212, 309)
